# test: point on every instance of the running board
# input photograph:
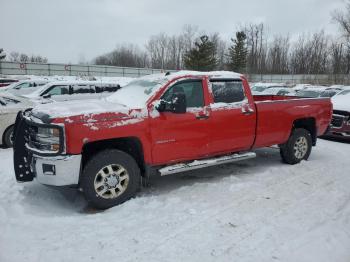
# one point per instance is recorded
(197, 164)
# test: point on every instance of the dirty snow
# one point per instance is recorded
(256, 210)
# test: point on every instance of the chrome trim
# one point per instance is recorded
(197, 164)
(67, 170)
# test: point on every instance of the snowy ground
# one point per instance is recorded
(257, 210)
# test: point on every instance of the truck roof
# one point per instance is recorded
(211, 74)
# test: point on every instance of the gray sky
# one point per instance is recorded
(67, 30)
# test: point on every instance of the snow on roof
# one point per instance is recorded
(137, 92)
(270, 84)
(213, 74)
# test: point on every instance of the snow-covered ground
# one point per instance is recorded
(256, 210)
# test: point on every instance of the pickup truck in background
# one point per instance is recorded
(159, 125)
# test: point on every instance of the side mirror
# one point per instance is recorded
(161, 107)
(178, 103)
(47, 96)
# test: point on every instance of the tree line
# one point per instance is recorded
(251, 50)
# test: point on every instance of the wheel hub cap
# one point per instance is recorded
(111, 181)
(300, 147)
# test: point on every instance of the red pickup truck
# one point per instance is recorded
(158, 125)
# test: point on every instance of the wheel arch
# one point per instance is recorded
(309, 124)
(130, 145)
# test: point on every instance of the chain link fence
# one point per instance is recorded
(15, 68)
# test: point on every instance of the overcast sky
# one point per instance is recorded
(67, 30)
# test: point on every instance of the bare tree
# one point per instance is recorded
(14, 57)
(257, 45)
(124, 55)
(342, 17)
(278, 55)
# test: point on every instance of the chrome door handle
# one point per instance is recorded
(247, 110)
(202, 117)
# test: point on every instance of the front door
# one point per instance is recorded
(180, 137)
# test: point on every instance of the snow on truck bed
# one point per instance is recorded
(256, 210)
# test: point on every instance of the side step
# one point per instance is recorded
(197, 164)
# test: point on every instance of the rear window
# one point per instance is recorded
(227, 91)
(83, 89)
(107, 88)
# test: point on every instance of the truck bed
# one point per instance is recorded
(276, 114)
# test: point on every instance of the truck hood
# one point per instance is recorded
(341, 102)
(83, 111)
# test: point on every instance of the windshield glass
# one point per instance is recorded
(137, 92)
(308, 93)
(343, 93)
(258, 88)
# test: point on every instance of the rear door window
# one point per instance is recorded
(227, 91)
(58, 90)
(83, 89)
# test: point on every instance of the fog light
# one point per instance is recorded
(49, 170)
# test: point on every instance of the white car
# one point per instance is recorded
(257, 88)
(73, 90)
(9, 107)
(24, 86)
(279, 91)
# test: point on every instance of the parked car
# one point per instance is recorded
(160, 125)
(75, 90)
(280, 91)
(340, 125)
(9, 107)
(260, 87)
(298, 87)
(318, 91)
(6, 81)
(24, 86)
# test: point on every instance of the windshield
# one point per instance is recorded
(137, 92)
(259, 88)
(328, 93)
(343, 93)
(308, 93)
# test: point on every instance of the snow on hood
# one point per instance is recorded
(76, 107)
(341, 102)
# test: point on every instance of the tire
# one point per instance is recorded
(7, 140)
(110, 178)
(297, 148)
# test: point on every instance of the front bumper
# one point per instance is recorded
(58, 170)
(340, 126)
(48, 169)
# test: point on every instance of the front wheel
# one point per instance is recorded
(8, 137)
(297, 148)
(110, 178)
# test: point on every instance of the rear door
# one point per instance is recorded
(233, 117)
(177, 137)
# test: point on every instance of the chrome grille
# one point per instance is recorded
(337, 121)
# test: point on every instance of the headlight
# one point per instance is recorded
(47, 139)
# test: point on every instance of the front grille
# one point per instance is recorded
(337, 121)
(41, 143)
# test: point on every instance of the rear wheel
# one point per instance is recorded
(110, 178)
(297, 148)
(8, 137)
